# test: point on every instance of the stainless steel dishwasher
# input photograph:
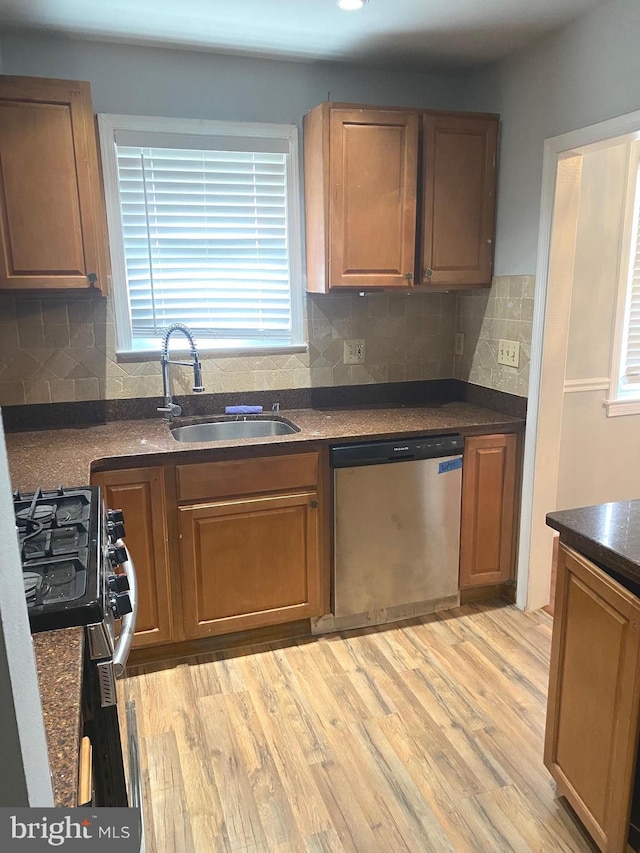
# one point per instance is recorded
(396, 530)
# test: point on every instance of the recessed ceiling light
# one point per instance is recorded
(351, 5)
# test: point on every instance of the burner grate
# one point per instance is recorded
(60, 537)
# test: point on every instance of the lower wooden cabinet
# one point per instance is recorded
(488, 510)
(140, 493)
(223, 546)
(249, 563)
(594, 697)
(229, 545)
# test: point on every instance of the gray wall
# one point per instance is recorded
(156, 81)
(585, 73)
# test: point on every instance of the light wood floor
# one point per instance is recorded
(423, 736)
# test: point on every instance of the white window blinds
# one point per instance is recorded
(207, 233)
(630, 366)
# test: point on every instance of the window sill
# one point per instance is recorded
(619, 407)
(211, 352)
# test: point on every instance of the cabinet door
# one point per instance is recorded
(140, 494)
(459, 198)
(52, 226)
(373, 187)
(488, 498)
(592, 717)
(249, 563)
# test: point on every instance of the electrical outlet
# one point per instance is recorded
(458, 348)
(509, 353)
(353, 352)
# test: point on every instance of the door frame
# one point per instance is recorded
(549, 336)
(25, 751)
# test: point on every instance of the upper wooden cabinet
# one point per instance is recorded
(52, 224)
(459, 181)
(372, 175)
(393, 204)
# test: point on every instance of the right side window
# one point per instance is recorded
(624, 390)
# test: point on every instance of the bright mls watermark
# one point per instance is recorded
(26, 830)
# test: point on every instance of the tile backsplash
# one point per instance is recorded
(486, 316)
(63, 349)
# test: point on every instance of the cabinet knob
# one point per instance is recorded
(408, 276)
(313, 504)
(428, 273)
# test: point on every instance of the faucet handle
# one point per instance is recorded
(170, 410)
(198, 387)
(275, 407)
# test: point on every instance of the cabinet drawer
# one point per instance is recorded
(212, 480)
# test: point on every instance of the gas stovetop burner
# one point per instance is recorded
(52, 509)
(54, 583)
(51, 543)
(60, 533)
(32, 582)
(42, 513)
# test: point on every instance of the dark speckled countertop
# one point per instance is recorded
(66, 456)
(608, 534)
(59, 663)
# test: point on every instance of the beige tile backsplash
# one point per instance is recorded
(486, 316)
(60, 350)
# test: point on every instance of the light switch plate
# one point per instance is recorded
(353, 352)
(509, 353)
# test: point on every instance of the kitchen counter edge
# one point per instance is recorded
(608, 534)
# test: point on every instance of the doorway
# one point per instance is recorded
(574, 454)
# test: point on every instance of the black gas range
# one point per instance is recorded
(77, 572)
(69, 547)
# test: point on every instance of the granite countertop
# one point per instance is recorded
(59, 657)
(66, 456)
(609, 534)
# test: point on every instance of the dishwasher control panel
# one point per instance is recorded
(379, 452)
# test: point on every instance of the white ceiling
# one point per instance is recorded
(410, 34)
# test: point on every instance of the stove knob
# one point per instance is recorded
(120, 604)
(118, 583)
(116, 530)
(117, 556)
(115, 515)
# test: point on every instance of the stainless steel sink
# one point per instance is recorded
(228, 430)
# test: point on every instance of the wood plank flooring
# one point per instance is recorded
(422, 736)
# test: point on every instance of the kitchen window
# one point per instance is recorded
(624, 391)
(204, 229)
